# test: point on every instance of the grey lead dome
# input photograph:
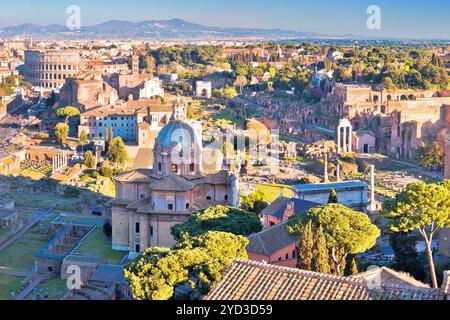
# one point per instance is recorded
(177, 132)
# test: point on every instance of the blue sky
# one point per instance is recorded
(399, 18)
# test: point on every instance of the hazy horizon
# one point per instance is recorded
(403, 19)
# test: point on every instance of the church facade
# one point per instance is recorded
(149, 202)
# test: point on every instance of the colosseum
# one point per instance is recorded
(48, 69)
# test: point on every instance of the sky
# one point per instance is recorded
(399, 18)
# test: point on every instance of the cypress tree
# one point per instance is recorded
(321, 256)
(304, 250)
(111, 133)
(333, 197)
(354, 267)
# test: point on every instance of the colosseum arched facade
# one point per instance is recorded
(49, 69)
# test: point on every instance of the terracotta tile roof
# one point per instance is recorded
(250, 280)
(388, 277)
(270, 240)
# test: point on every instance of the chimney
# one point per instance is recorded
(290, 210)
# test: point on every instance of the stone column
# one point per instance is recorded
(350, 129)
(345, 139)
(338, 172)
(339, 139)
(325, 169)
(372, 204)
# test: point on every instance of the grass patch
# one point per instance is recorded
(6, 232)
(98, 244)
(10, 286)
(58, 202)
(52, 289)
(272, 191)
(20, 255)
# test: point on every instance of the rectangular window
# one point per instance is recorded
(187, 205)
(137, 248)
(192, 167)
(287, 256)
(293, 254)
(151, 231)
(170, 206)
(159, 166)
(137, 227)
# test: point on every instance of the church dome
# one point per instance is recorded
(177, 132)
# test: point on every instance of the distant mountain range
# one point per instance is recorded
(158, 29)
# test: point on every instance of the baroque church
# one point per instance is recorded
(149, 202)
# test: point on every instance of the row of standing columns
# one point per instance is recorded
(60, 161)
(344, 138)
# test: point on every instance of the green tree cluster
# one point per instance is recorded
(89, 160)
(62, 133)
(117, 152)
(406, 255)
(199, 262)
(218, 218)
(254, 201)
(346, 231)
(228, 92)
(431, 156)
(67, 113)
(422, 207)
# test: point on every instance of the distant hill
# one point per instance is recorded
(156, 29)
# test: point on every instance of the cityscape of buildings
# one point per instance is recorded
(230, 169)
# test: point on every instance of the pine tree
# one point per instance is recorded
(89, 160)
(62, 132)
(111, 133)
(117, 152)
(83, 140)
(321, 256)
(304, 250)
(333, 197)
